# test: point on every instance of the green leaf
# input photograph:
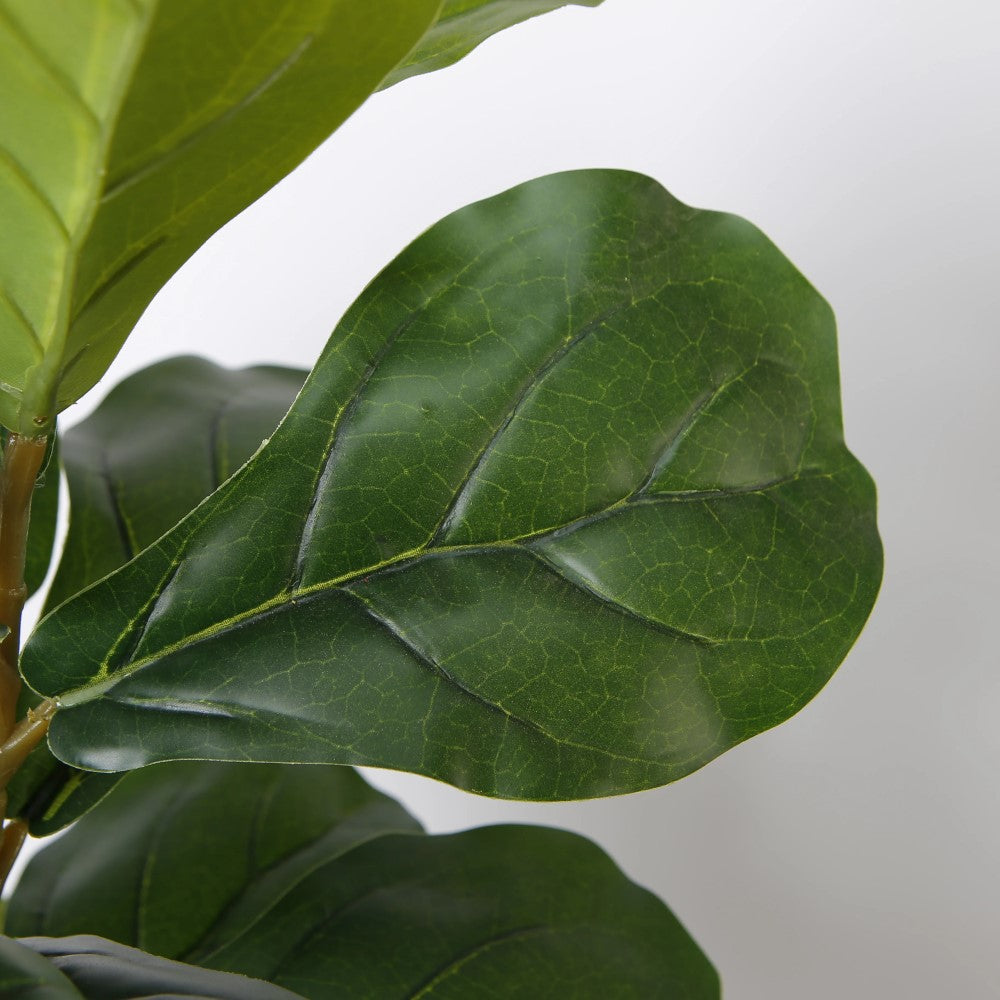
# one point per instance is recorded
(132, 130)
(179, 848)
(48, 794)
(25, 975)
(103, 970)
(163, 440)
(296, 876)
(564, 510)
(463, 24)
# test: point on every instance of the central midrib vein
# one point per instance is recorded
(90, 692)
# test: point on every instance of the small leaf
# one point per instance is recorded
(463, 24)
(564, 510)
(296, 876)
(104, 970)
(25, 975)
(131, 132)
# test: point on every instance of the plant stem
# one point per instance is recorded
(27, 734)
(22, 459)
(11, 841)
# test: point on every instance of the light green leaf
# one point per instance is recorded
(131, 131)
(296, 876)
(103, 970)
(564, 510)
(463, 24)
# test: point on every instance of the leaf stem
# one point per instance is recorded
(22, 459)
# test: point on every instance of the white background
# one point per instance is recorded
(852, 852)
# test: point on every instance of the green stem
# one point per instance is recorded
(22, 460)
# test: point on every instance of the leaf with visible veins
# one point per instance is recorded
(563, 510)
(308, 878)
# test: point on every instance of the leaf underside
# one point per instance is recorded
(134, 129)
(564, 510)
(26, 975)
(463, 24)
(92, 968)
(307, 877)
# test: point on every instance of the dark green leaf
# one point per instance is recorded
(293, 874)
(564, 510)
(463, 24)
(180, 847)
(163, 440)
(132, 130)
(48, 794)
(25, 975)
(104, 970)
(155, 448)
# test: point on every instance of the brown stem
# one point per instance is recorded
(11, 841)
(22, 459)
(27, 734)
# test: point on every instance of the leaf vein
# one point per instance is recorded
(121, 184)
(50, 68)
(671, 630)
(453, 965)
(447, 519)
(37, 193)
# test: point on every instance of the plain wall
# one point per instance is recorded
(852, 852)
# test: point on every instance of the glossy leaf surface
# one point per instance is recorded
(163, 440)
(463, 24)
(296, 877)
(132, 130)
(97, 969)
(564, 510)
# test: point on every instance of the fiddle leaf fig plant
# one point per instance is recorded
(563, 510)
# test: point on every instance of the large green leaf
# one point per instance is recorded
(463, 24)
(158, 445)
(94, 969)
(296, 876)
(563, 510)
(131, 131)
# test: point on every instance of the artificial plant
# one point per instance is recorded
(563, 510)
